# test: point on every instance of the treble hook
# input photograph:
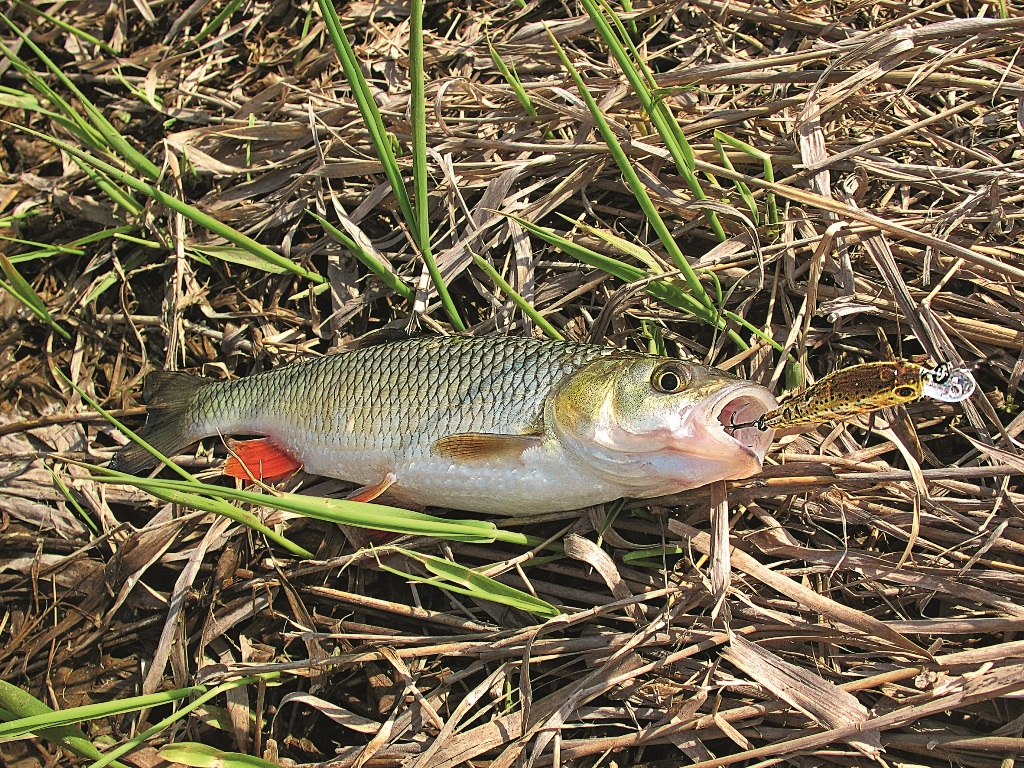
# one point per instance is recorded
(759, 423)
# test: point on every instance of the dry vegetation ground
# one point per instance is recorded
(877, 575)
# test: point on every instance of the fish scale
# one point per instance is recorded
(378, 394)
(488, 424)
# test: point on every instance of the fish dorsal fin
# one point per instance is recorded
(260, 459)
(480, 446)
(380, 337)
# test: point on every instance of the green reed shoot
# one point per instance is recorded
(416, 219)
(637, 187)
(190, 212)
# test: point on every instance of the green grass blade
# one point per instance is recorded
(17, 99)
(340, 511)
(368, 109)
(663, 290)
(69, 28)
(620, 269)
(385, 149)
(226, 13)
(641, 254)
(70, 498)
(74, 248)
(40, 250)
(653, 557)
(512, 78)
(110, 135)
(207, 254)
(609, 519)
(21, 704)
(196, 755)
(625, 272)
(140, 94)
(627, 6)
(418, 116)
(465, 581)
(176, 716)
(635, 185)
(110, 189)
(20, 289)
(549, 330)
(67, 117)
(642, 81)
(367, 259)
(766, 164)
(57, 718)
(743, 189)
(133, 262)
(732, 316)
(190, 212)
(194, 496)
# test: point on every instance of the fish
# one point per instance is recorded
(502, 425)
(866, 388)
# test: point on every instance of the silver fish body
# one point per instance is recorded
(500, 425)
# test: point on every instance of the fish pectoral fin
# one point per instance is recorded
(259, 459)
(479, 446)
(371, 492)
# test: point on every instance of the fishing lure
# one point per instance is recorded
(866, 388)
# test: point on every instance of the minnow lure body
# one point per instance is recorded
(865, 388)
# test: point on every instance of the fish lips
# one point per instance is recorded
(713, 420)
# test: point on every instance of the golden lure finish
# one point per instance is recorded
(868, 387)
(850, 391)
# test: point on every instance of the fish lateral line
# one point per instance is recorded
(865, 388)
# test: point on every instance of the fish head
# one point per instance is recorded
(656, 425)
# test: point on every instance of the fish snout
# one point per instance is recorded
(733, 418)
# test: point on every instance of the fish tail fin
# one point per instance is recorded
(170, 427)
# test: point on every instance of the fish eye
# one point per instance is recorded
(670, 378)
(906, 391)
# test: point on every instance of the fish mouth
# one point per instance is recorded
(737, 410)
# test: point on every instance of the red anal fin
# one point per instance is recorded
(260, 459)
(371, 492)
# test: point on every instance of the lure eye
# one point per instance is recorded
(906, 392)
(670, 378)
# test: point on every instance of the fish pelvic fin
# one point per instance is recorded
(371, 492)
(169, 396)
(260, 459)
